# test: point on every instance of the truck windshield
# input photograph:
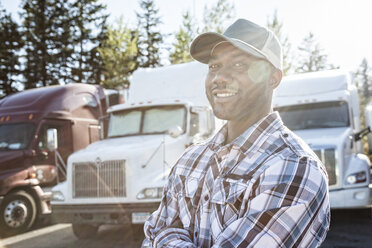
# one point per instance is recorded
(315, 115)
(16, 136)
(147, 120)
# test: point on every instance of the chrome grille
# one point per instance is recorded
(104, 179)
(328, 157)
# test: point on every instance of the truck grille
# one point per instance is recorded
(328, 157)
(104, 179)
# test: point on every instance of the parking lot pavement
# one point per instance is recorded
(349, 228)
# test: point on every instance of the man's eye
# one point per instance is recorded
(239, 65)
(213, 66)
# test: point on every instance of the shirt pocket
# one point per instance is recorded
(227, 197)
(187, 199)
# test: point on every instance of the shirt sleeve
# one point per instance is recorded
(164, 227)
(289, 207)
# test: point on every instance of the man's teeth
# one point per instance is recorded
(225, 94)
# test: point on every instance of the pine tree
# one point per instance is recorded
(364, 89)
(40, 35)
(181, 46)
(10, 44)
(312, 57)
(276, 26)
(218, 17)
(89, 27)
(364, 80)
(119, 56)
(63, 41)
(149, 39)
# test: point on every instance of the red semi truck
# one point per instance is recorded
(39, 129)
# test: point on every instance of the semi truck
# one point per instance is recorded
(39, 129)
(119, 180)
(323, 109)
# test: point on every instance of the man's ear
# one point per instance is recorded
(276, 77)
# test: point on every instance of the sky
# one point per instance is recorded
(342, 27)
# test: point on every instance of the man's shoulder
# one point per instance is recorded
(297, 146)
(193, 161)
(300, 155)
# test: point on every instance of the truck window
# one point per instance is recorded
(146, 120)
(16, 136)
(158, 120)
(315, 115)
(124, 123)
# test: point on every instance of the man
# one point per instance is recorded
(255, 184)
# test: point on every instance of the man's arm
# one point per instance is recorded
(293, 212)
(164, 227)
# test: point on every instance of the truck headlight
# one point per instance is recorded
(57, 196)
(150, 193)
(359, 177)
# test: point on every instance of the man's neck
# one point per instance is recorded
(236, 127)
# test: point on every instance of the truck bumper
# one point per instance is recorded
(351, 198)
(44, 195)
(102, 213)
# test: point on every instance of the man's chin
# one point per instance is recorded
(222, 115)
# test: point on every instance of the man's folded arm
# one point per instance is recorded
(164, 227)
(293, 214)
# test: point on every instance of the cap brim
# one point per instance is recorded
(202, 46)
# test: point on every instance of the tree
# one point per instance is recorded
(119, 55)
(364, 89)
(364, 80)
(10, 44)
(312, 58)
(89, 28)
(149, 38)
(64, 46)
(217, 17)
(181, 46)
(276, 26)
(40, 47)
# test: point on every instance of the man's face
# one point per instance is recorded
(237, 84)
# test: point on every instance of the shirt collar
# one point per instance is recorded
(267, 124)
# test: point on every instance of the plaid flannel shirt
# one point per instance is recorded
(265, 189)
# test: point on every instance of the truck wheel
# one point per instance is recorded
(18, 213)
(84, 231)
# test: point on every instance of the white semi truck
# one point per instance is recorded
(323, 109)
(119, 180)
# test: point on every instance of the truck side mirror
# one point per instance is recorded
(201, 122)
(368, 123)
(52, 139)
(176, 131)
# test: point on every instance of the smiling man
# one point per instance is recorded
(255, 184)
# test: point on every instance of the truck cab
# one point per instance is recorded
(120, 180)
(323, 109)
(39, 129)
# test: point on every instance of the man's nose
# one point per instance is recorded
(222, 76)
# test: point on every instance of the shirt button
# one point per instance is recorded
(206, 197)
(285, 135)
(196, 234)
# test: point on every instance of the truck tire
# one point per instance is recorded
(17, 213)
(84, 231)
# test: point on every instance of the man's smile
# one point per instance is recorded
(224, 95)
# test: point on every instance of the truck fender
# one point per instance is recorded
(357, 163)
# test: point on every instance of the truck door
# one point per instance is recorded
(63, 140)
